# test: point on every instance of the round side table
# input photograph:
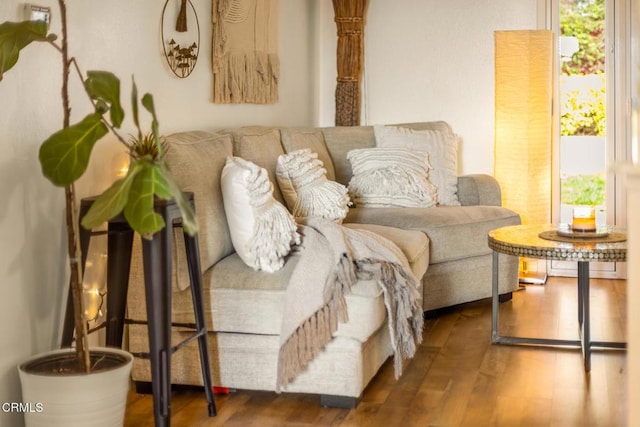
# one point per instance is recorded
(543, 242)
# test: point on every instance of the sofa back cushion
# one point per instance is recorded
(195, 160)
(294, 139)
(391, 177)
(340, 140)
(443, 155)
(440, 125)
(260, 145)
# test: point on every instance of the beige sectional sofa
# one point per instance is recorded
(446, 247)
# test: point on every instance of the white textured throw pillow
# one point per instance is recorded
(443, 156)
(390, 177)
(261, 228)
(306, 189)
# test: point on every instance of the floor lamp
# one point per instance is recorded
(523, 126)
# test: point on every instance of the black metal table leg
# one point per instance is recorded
(191, 245)
(157, 273)
(120, 242)
(157, 265)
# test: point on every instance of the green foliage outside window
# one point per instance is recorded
(584, 19)
(583, 112)
(585, 190)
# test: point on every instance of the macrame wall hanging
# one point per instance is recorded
(350, 20)
(181, 42)
(246, 67)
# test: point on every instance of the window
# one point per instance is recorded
(592, 112)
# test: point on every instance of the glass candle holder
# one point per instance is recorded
(584, 218)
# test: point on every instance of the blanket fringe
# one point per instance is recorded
(401, 300)
(306, 343)
(400, 292)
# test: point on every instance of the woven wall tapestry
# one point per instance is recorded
(246, 68)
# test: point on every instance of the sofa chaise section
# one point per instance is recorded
(244, 307)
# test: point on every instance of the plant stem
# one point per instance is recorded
(72, 61)
(73, 244)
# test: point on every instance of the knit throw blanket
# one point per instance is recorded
(332, 259)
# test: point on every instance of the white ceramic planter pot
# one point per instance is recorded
(96, 399)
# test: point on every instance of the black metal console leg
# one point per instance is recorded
(120, 242)
(157, 274)
(195, 274)
(68, 325)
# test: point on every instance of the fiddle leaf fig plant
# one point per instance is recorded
(64, 156)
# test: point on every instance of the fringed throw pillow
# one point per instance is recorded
(306, 189)
(390, 177)
(262, 230)
(443, 156)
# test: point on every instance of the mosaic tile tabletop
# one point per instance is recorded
(525, 240)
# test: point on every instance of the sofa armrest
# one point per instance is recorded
(479, 189)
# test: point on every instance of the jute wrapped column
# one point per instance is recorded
(350, 20)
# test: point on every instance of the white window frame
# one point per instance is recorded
(619, 130)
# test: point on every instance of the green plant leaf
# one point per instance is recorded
(111, 203)
(64, 156)
(189, 221)
(139, 212)
(103, 86)
(147, 103)
(134, 107)
(14, 36)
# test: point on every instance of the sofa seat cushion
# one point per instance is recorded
(455, 232)
(414, 245)
(240, 300)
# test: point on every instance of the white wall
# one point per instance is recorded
(122, 36)
(430, 60)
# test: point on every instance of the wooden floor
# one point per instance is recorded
(457, 377)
